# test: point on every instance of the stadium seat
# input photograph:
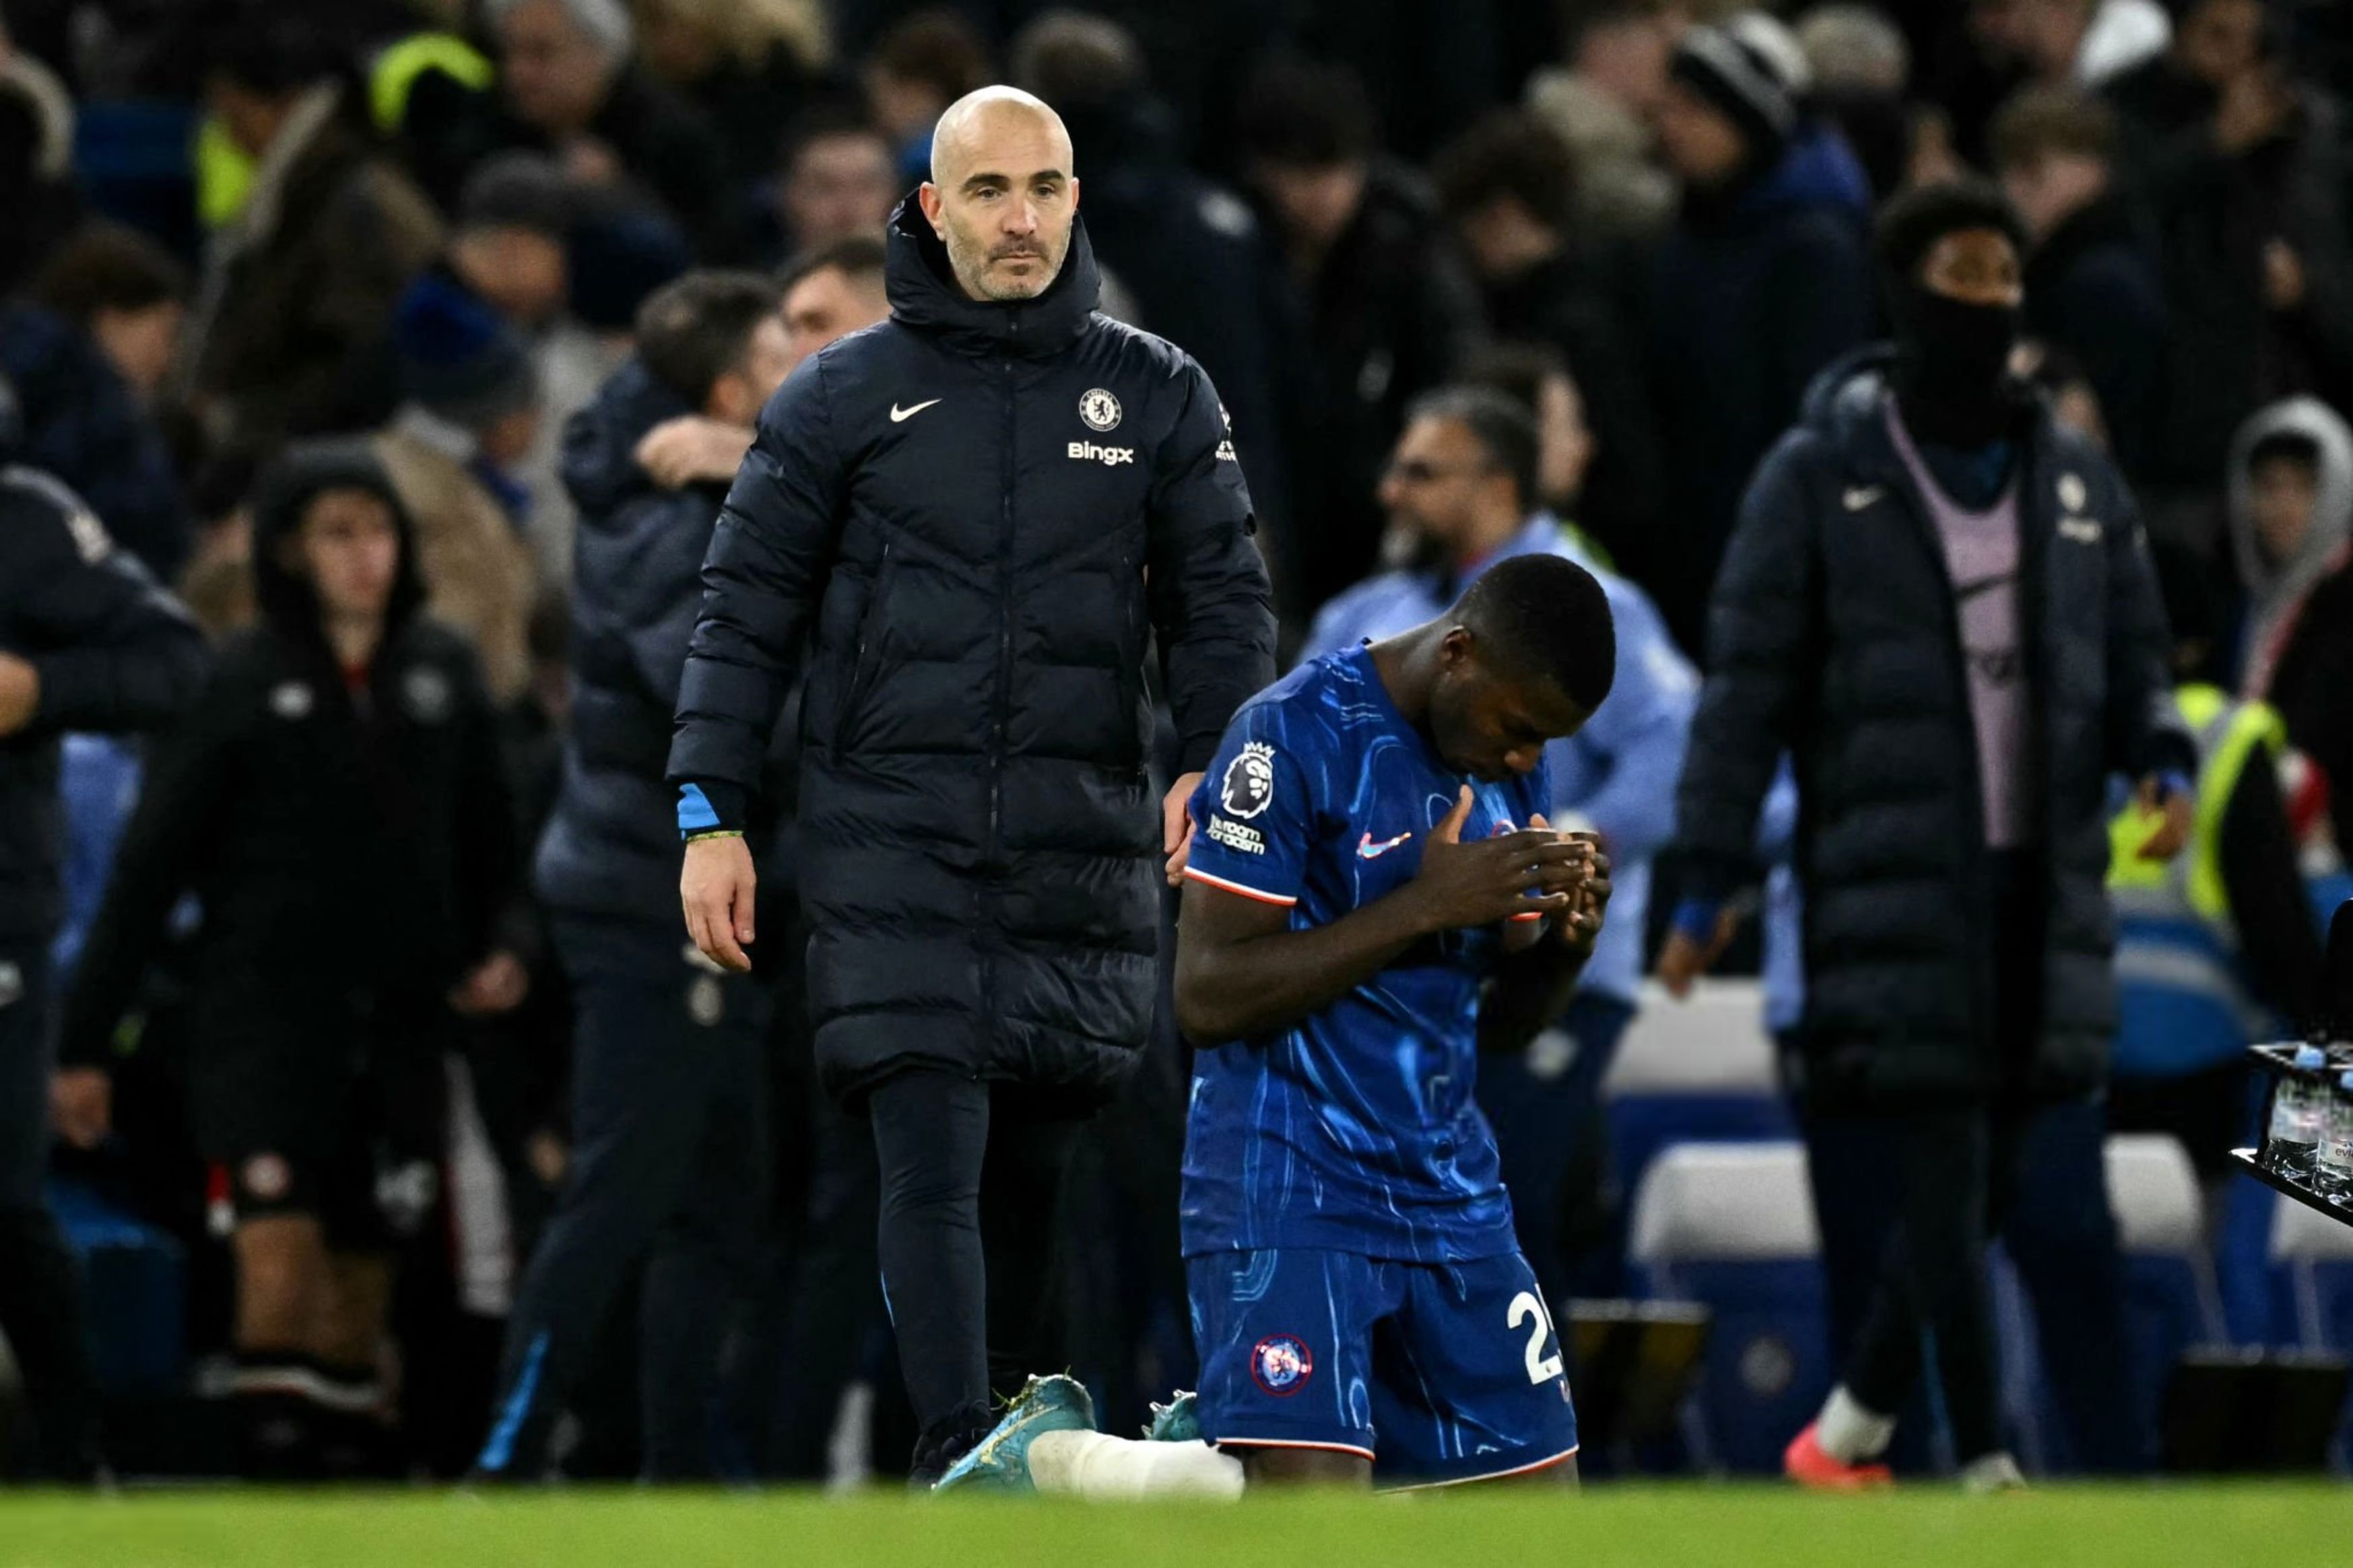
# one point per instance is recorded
(1732, 1226)
(2172, 1299)
(1698, 1070)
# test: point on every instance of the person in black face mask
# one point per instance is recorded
(1923, 573)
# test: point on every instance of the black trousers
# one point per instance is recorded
(669, 1169)
(972, 1174)
(41, 1289)
(1922, 1192)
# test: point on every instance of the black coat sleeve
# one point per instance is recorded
(493, 903)
(1210, 601)
(1763, 640)
(2277, 936)
(113, 651)
(761, 579)
(190, 773)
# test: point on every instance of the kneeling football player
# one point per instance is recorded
(1372, 897)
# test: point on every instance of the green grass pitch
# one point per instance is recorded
(2215, 1526)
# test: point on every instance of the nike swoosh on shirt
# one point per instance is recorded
(898, 414)
(1368, 850)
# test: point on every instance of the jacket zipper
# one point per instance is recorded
(993, 855)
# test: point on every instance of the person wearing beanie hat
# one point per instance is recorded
(575, 89)
(1763, 281)
(513, 234)
(1923, 570)
(469, 414)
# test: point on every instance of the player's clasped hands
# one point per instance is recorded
(1531, 871)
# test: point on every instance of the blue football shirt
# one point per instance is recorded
(1355, 1130)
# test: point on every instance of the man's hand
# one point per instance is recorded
(2284, 277)
(716, 888)
(1462, 885)
(1177, 826)
(1683, 959)
(82, 1105)
(20, 693)
(1581, 926)
(498, 984)
(683, 451)
(2179, 811)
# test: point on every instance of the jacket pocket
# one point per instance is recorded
(864, 654)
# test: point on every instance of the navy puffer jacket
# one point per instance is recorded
(979, 515)
(1833, 636)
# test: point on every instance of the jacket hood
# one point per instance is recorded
(2270, 585)
(1849, 384)
(599, 464)
(925, 296)
(284, 598)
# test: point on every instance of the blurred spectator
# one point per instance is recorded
(747, 64)
(837, 178)
(1861, 66)
(36, 188)
(333, 799)
(1534, 376)
(127, 292)
(469, 413)
(1893, 536)
(1191, 253)
(2084, 41)
(433, 96)
(1991, 48)
(1599, 105)
(2291, 509)
(832, 292)
(1762, 283)
(1387, 307)
(217, 583)
(575, 89)
(670, 1095)
(1462, 486)
(1507, 187)
(2217, 951)
(308, 270)
(2091, 285)
(87, 352)
(2242, 170)
(920, 66)
(621, 250)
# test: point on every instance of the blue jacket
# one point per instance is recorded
(1832, 638)
(1617, 773)
(611, 845)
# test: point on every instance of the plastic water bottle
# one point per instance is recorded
(2332, 1167)
(2297, 1107)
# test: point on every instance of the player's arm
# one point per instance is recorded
(1242, 972)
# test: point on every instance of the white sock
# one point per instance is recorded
(1849, 1432)
(1099, 1467)
(1994, 1472)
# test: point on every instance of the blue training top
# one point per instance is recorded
(1354, 1129)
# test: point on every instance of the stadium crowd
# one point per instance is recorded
(413, 344)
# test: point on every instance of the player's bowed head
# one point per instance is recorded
(1527, 655)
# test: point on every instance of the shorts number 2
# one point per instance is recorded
(1527, 1305)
